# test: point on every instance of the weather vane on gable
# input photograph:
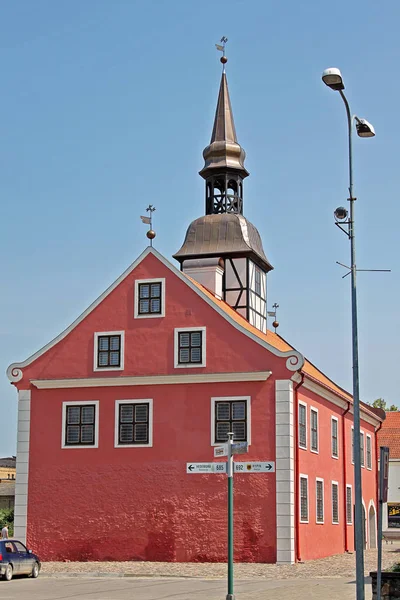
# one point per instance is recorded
(272, 313)
(221, 48)
(151, 234)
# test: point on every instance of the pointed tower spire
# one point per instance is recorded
(224, 151)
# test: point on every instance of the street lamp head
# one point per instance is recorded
(364, 129)
(340, 213)
(333, 78)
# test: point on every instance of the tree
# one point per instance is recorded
(381, 403)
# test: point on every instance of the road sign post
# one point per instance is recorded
(383, 490)
(230, 595)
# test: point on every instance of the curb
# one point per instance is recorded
(60, 575)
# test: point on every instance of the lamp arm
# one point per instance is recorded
(349, 123)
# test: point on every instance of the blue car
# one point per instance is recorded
(15, 559)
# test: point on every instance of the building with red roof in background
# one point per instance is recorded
(389, 435)
(153, 375)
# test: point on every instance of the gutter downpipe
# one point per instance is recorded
(346, 541)
(296, 469)
(376, 464)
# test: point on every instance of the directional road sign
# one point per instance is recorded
(240, 447)
(196, 468)
(221, 450)
(254, 467)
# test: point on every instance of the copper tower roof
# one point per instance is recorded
(224, 149)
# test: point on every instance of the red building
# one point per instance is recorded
(153, 375)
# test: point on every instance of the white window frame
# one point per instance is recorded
(319, 479)
(136, 299)
(148, 401)
(349, 487)
(65, 446)
(315, 410)
(338, 502)
(302, 476)
(337, 437)
(214, 400)
(203, 363)
(301, 403)
(368, 437)
(352, 445)
(362, 454)
(122, 351)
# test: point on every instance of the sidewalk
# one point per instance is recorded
(340, 565)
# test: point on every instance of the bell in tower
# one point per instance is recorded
(223, 250)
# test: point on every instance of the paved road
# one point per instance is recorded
(123, 588)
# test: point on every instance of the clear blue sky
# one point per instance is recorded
(107, 106)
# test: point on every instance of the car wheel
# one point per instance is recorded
(35, 570)
(8, 573)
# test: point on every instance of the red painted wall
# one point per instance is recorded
(139, 503)
(317, 540)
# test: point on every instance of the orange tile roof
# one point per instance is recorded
(389, 434)
(279, 343)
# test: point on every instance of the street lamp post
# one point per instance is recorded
(333, 79)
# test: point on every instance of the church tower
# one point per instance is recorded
(223, 250)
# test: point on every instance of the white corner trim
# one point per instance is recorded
(203, 363)
(246, 399)
(65, 446)
(136, 299)
(284, 472)
(148, 401)
(294, 361)
(122, 351)
(21, 483)
(51, 384)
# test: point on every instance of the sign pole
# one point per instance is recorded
(383, 487)
(230, 595)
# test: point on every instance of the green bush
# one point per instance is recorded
(7, 518)
(395, 568)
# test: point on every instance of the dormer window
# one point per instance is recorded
(109, 351)
(149, 298)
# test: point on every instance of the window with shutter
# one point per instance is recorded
(335, 502)
(349, 505)
(314, 429)
(320, 500)
(334, 433)
(369, 452)
(133, 423)
(302, 426)
(231, 417)
(80, 424)
(303, 499)
(109, 351)
(362, 456)
(190, 347)
(149, 298)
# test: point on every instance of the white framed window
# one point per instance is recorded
(319, 500)
(302, 421)
(362, 453)
(230, 414)
(335, 502)
(80, 424)
(189, 347)
(133, 423)
(335, 437)
(303, 498)
(149, 298)
(314, 430)
(352, 445)
(349, 504)
(109, 350)
(369, 452)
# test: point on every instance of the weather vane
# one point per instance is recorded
(221, 48)
(151, 234)
(272, 313)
